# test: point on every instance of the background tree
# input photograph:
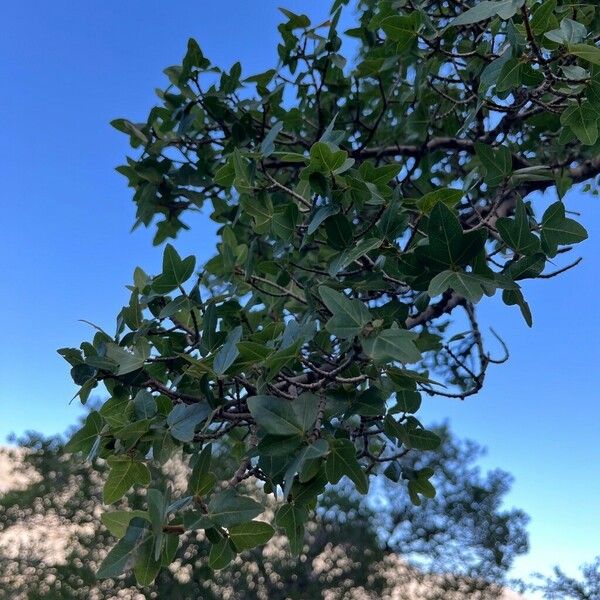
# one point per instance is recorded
(561, 586)
(459, 545)
(358, 205)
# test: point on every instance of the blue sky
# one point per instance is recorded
(67, 251)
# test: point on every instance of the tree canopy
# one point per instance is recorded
(361, 198)
(457, 546)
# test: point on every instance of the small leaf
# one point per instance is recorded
(145, 405)
(175, 271)
(516, 232)
(146, 566)
(559, 230)
(84, 439)
(227, 508)
(249, 535)
(470, 285)
(448, 196)
(292, 517)
(347, 257)
(306, 409)
(267, 146)
(393, 344)
(497, 163)
(117, 521)
(349, 315)
(582, 119)
(229, 352)
(201, 481)
(512, 297)
(221, 554)
(588, 52)
(342, 461)
(127, 362)
(184, 418)
(123, 554)
(505, 9)
(274, 415)
(322, 213)
(510, 76)
(124, 474)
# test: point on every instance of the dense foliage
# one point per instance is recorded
(459, 545)
(358, 203)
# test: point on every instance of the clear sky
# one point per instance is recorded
(67, 69)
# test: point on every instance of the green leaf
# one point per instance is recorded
(147, 565)
(407, 401)
(201, 481)
(448, 196)
(227, 508)
(284, 221)
(292, 517)
(588, 52)
(306, 409)
(411, 435)
(512, 297)
(582, 119)
(250, 535)
(229, 352)
(448, 245)
(267, 146)
(277, 445)
(418, 483)
(251, 353)
(175, 271)
(124, 474)
(393, 344)
(347, 257)
(393, 221)
(526, 267)
(221, 554)
(510, 76)
(401, 29)
(282, 358)
(339, 231)
(497, 163)
(570, 32)
(349, 315)
(184, 418)
(543, 17)
(260, 207)
(127, 362)
(559, 230)
(469, 285)
(342, 461)
(196, 519)
(122, 555)
(225, 174)
(145, 405)
(84, 439)
(170, 549)
(173, 307)
(328, 160)
(117, 521)
(516, 232)
(421, 439)
(275, 415)
(315, 450)
(369, 403)
(242, 182)
(322, 213)
(505, 9)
